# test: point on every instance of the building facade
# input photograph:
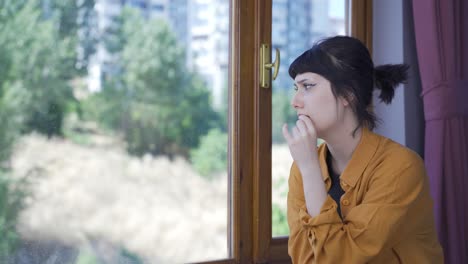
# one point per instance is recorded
(202, 28)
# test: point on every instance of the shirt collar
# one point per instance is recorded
(361, 157)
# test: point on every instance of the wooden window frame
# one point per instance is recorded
(361, 21)
(250, 214)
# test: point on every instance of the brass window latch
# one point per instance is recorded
(266, 65)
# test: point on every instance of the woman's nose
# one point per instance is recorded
(296, 101)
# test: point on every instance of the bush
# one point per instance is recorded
(279, 221)
(37, 67)
(211, 156)
(104, 107)
(87, 257)
(11, 196)
(11, 199)
(282, 112)
(124, 256)
(9, 128)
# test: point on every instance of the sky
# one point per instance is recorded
(337, 8)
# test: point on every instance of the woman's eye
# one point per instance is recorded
(295, 88)
(308, 86)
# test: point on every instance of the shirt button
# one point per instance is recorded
(345, 202)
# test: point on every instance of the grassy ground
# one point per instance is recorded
(89, 189)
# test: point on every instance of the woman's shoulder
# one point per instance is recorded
(394, 150)
(396, 165)
(393, 156)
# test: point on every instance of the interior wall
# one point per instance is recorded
(393, 42)
(414, 107)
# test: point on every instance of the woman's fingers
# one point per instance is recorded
(308, 123)
(301, 126)
(296, 133)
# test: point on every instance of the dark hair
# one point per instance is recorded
(346, 63)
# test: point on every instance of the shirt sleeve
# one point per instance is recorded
(367, 229)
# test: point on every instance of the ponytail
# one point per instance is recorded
(387, 77)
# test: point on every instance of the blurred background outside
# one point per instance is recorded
(296, 26)
(113, 136)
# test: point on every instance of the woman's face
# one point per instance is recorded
(314, 98)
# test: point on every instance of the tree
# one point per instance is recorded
(10, 200)
(211, 155)
(76, 21)
(164, 107)
(88, 34)
(38, 73)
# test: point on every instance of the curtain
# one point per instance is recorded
(441, 28)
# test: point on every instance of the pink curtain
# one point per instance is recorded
(441, 28)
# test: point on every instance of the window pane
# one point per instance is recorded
(297, 24)
(114, 132)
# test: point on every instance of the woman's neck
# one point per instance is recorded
(341, 143)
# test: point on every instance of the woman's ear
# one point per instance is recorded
(346, 100)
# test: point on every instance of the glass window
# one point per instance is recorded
(312, 20)
(114, 137)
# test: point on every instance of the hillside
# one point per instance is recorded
(160, 209)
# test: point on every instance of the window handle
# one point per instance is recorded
(266, 65)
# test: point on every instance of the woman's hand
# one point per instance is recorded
(302, 141)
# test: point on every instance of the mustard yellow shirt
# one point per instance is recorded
(386, 208)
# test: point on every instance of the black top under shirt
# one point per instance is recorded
(335, 190)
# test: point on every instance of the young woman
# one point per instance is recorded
(359, 197)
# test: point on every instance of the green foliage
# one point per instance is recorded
(113, 36)
(9, 128)
(223, 110)
(88, 34)
(76, 23)
(282, 112)
(9, 121)
(129, 257)
(211, 156)
(158, 105)
(87, 257)
(11, 196)
(77, 131)
(278, 186)
(36, 67)
(279, 221)
(11, 199)
(124, 257)
(105, 107)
